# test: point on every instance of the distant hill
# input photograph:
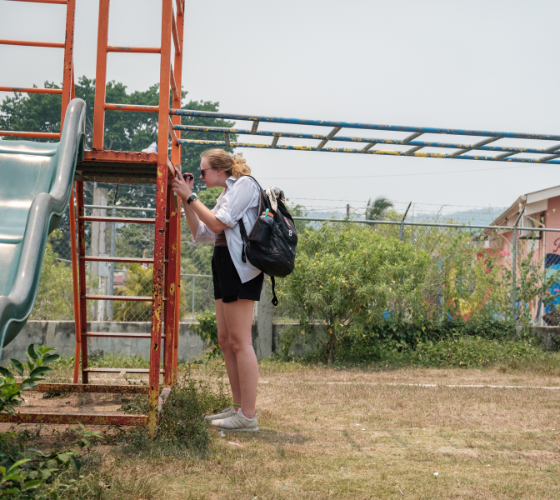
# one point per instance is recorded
(478, 217)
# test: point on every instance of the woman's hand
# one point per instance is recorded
(179, 186)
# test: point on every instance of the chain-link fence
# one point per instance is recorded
(471, 265)
(55, 297)
(469, 271)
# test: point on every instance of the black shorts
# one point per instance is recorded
(227, 283)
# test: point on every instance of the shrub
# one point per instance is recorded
(182, 427)
(54, 297)
(347, 277)
(208, 331)
(37, 366)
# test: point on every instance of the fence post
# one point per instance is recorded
(402, 221)
(111, 286)
(514, 269)
(193, 289)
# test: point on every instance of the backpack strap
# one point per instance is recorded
(244, 238)
(242, 229)
(274, 298)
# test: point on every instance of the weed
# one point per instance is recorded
(182, 426)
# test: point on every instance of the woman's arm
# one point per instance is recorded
(196, 211)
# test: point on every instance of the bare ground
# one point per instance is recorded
(329, 433)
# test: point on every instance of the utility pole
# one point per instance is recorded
(402, 221)
(99, 270)
(514, 269)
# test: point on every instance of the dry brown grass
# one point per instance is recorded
(329, 433)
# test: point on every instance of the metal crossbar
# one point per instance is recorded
(550, 154)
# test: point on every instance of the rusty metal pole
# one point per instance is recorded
(161, 216)
(514, 306)
(175, 219)
(82, 278)
(68, 72)
(169, 315)
(101, 75)
(75, 286)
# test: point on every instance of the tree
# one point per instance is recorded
(124, 131)
(55, 297)
(347, 277)
(377, 210)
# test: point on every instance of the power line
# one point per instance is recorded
(400, 202)
(395, 175)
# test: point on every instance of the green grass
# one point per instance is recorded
(476, 352)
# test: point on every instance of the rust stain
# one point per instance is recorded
(74, 418)
(91, 388)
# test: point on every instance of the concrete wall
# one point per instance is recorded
(61, 334)
(548, 336)
(267, 338)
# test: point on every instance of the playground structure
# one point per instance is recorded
(101, 165)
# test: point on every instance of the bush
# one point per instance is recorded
(208, 331)
(347, 277)
(376, 339)
(36, 366)
(55, 297)
(182, 427)
(468, 352)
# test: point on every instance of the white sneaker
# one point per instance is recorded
(228, 412)
(237, 422)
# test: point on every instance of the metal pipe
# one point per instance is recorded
(402, 220)
(52, 45)
(137, 50)
(481, 145)
(131, 107)
(366, 126)
(193, 294)
(68, 89)
(111, 287)
(101, 76)
(371, 151)
(514, 270)
(317, 219)
(35, 135)
(30, 90)
(429, 224)
(60, 2)
(123, 208)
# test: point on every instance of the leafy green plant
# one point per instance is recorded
(36, 366)
(181, 427)
(208, 331)
(54, 297)
(347, 277)
(28, 473)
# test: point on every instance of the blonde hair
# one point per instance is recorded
(230, 164)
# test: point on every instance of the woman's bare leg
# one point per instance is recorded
(229, 355)
(238, 318)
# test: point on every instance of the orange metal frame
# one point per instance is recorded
(166, 261)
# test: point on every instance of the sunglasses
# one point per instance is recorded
(202, 174)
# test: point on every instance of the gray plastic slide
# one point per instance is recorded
(35, 186)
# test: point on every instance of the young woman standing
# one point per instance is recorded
(237, 284)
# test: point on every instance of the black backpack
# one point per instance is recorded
(271, 245)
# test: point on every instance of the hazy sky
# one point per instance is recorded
(478, 64)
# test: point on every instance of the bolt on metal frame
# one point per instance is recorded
(123, 167)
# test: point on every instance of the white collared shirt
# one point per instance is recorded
(239, 199)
